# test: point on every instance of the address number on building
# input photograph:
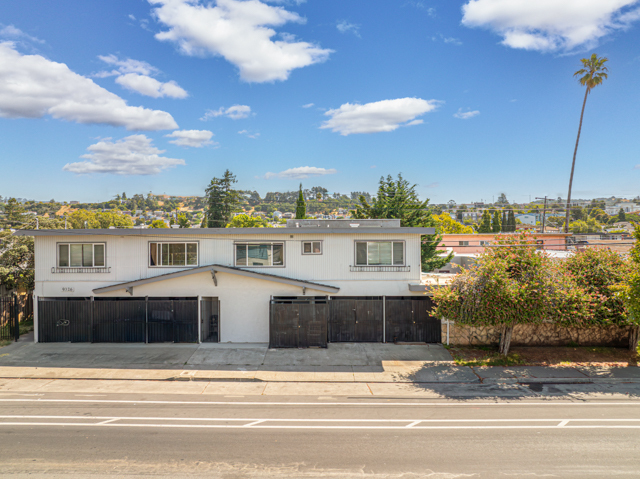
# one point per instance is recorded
(68, 289)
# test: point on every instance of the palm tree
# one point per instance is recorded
(592, 75)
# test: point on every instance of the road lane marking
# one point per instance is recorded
(369, 404)
(268, 423)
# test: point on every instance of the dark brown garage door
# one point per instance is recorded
(409, 320)
(298, 322)
(355, 319)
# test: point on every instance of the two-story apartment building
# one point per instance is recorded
(302, 285)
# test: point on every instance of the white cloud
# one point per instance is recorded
(301, 172)
(450, 40)
(133, 155)
(129, 65)
(345, 27)
(249, 134)
(235, 112)
(192, 138)
(386, 115)
(32, 86)
(240, 32)
(308, 105)
(134, 75)
(13, 33)
(551, 25)
(465, 115)
(146, 85)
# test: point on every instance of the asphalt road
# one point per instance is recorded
(57, 435)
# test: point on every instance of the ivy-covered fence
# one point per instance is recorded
(514, 283)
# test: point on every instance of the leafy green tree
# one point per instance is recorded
(246, 221)
(447, 225)
(585, 227)
(398, 199)
(622, 216)
(183, 222)
(485, 222)
(158, 224)
(16, 261)
(13, 213)
(629, 290)
(502, 199)
(222, 200)
(592, 74)
(301, 206)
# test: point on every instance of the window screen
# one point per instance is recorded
(379, 253)
(260, 254)
(173, 254)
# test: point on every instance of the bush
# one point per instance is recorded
(598, 271)
(514, 283)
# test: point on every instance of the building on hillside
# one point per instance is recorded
(626, 207)
(297, 286)
(529, 218)
(476, 243)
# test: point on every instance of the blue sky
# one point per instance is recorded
(466, 98)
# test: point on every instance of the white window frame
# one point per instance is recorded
(247, 243)
(93, 255)
(197, 243)
(485, 243)
(404, 252)
(312, 253)
(463, 243)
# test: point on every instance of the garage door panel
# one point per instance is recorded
(298, 322)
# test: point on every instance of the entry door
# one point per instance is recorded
(430, 328)
(210, 320)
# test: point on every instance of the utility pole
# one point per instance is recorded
(544, 210)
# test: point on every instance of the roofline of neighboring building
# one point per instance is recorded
(446, 235)
(216, 268)
(225, 231)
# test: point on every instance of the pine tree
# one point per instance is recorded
(485, 222)
(301, 206)
(505, 223)
(496, 224)
(512, 221)
(398, 199)
(222, 200)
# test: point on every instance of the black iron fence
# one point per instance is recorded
(14, 310)
(118, 320)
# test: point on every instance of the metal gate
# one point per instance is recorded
(409, 320)
(298, 322)
(64, 320)
(118, 320)
(355, 319)
(14, 310)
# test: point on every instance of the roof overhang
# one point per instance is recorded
(227, 231)
(215, 268)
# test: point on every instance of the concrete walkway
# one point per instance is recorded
(339, 363)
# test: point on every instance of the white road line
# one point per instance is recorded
(108, 421)
(563, 423)
(254, 423)
(223, 426)
(368, 404)
(413, 423)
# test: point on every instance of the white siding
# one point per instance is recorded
(127, 257)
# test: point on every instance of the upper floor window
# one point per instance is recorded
(485, 243)
(259, 254)
(463, 243)
(379, 253)
(173, 254)
(81, 255)
(312, 247)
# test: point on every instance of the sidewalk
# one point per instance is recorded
(339, 363)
